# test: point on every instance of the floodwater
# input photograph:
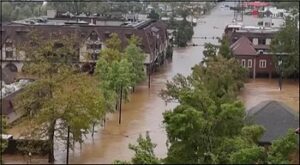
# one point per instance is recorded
(259, 90)
(144, 111)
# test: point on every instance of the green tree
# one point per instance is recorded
(25, 12)
(144, 152)
(210, 51)
(114, 42)
(153, 15)
(208, 126)
(59, 96)
(3, 131)
(116, 78)
(281, 149)
(287, 41)
(224, 49)
(6, 11)
(183, 33)
(135, 56)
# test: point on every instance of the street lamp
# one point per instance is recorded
(280, 73)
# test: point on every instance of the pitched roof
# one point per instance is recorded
(143, 31)
(243, 47)
(275, 117)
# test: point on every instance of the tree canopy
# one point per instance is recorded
(208, 126)
(60, 97)
(286, 46)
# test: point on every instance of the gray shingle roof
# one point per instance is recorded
(275, 117)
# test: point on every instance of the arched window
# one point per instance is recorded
(12, 67)
(93, 36)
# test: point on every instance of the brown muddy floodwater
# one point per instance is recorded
(259, 90)
(144, 111)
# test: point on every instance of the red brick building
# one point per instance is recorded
(251, 46)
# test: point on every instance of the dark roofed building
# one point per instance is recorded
(153, 34)
(275, 117)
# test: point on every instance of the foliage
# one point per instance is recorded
(114, 76)
(208, 126)
(282, 148)
(59, 97)
(287, 4)
(135, 56)
(183, 33)
(3, 131)
(153, 15)
(113, 42)
(251, 155)
(208, 110)
(110, 55)
(16, 10)
(144, 152)
(287, 41)
(224, 49)
(120, 70)
(210, 51)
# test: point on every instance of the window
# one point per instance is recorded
(261, 41)
(9, 54)
(268, 41)
(93, 36)
(94, 56)
(249, 63)
(255, 41)
(93, 46)
(262, 63)
(107, 35)
(98, 46)
(8, 44)
(243, 62)
(128, 36)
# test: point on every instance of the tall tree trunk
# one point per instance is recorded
(51, 141)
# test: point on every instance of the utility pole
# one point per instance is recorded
(120, 110)
(149, 78)
(238, 11)
(280, 73)
(68, 144)
(76, 8)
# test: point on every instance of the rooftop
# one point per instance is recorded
(85, 22)
(275, 117)
(243, 46)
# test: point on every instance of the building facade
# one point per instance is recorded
(92, 36)
(251, 46)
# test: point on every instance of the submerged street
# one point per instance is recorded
(144, 110)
